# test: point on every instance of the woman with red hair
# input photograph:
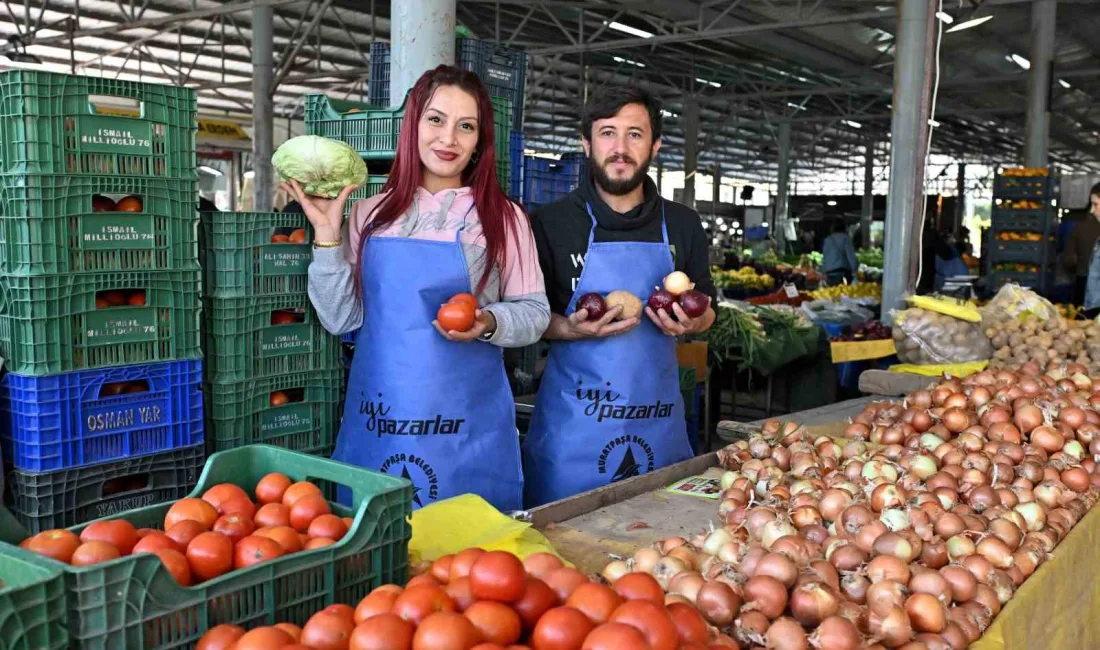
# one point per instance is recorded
(427, 404)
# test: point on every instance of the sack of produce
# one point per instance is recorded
(1014, 301)
(939, 331)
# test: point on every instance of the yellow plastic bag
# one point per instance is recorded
(953, 369)
(949, 306)
(465, 521)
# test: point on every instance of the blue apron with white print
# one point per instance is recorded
(610, 408)
(436, 412)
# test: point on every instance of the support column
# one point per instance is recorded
(868, 212)
(960, 197)
(908, 148)
(716, 193)
(1038, 82)
(422, 35)
(782, 187)
(660, 175)
(691, 149)
(263, 74)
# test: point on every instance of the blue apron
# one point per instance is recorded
(436, 412)
(610, 408)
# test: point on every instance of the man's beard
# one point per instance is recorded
(617, 187)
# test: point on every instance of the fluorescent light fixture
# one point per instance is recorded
(854, 125)
(619, 59)
(723, 227)
(831, 203)
(736, 224)
(1020, 61)
(668, 113)
(706, 225)
(709, 83)
(945, 17)
(794, 105)
(933, 123)
(765, 224)
(627, 29)
(250, 174)
(1064, 84)
(210, 170)
(967, 24)
(720, 221)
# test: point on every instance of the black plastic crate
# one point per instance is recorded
(1025, 187)
(1024, 252)
(71, 497)
(503, 70)
(378, 86)
(1004, 219)
(1039, 282)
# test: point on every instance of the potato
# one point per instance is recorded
(632, 306)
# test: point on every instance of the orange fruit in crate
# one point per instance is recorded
(298, 236)
(130, 204)
(280, 239)
(278, 398)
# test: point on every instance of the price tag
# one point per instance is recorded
(791, 291)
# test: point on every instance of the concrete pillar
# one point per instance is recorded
(422, 33)
(782, 187)
(960, 197)
(908, 147)
(691, 149)
(1038, 82)
(716, 194)
(263, 74)
(868, 212)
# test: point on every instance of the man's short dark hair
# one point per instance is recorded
(1095, 191)
(608, 101)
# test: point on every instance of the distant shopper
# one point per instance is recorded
(1092, 286)
(949, 262)
(1079, 254)
(838, 255)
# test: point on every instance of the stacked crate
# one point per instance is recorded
(546, 180)
(100, 409)
(273, 374)
(1021, 247)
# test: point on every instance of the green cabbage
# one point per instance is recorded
(321, 166)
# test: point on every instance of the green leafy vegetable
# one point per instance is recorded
(323, 167)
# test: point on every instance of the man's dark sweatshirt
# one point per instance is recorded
(561, 235)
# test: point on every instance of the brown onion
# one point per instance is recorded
(778, 566)
(786, 634)
(718, 603)
(963, 583)
(766, 595)
(926, 613)
(885, 595)
(836, 633)
(812, 603)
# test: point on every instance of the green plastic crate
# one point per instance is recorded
(32, 602)
(241, 342)
(239, 259)
(68, 497)
(134, 603)
(373, 131)
(50, 324)
(241, 413)
(54, 123)
(47, 225)
(373, 186)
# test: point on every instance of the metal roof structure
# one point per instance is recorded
(824, 65)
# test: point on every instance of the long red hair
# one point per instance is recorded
(495, 210)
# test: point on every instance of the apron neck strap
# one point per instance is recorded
(458, 233)
(592, 217)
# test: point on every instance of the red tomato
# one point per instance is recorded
(263, 638)
(238, 506)
(280, 239)
(270, 489)
(455, 317)
(499, 576)
(615, 636)
(652, 620)
(347, 611)
(255, 549)
(220, 637)
(306, 509)
(329, 526)
(155, 541)
(414, 604)
(193, 509)
(464, 561)
(497, 622)
(59, 544)
(293, 630)
(541, 564)
(222, 492)
(210, 555)
(564, 581)
(379, 601)
(113, 298)
(298, 236)
(425, 579)
(595, 601)
(445, 631)
(537, 599)
(286, 536)
(441, 568)
(327, 631)
(185, 531)
(460, 591)
(562, 628)
(690, 625)
(129, 204)
(117, 532)
(278, 398)
(94, 552)
(235, 526)
(640, 586)
(298, 490)
(272, 515)
(465, 299)
(317, 542)
(382, 632)
(136, 299)
(283, 317)
(176, 564)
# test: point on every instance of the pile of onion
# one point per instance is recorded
(912, 531)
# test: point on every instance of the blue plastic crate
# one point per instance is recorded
(349, 337)
(1005, 219)
(378, 86)
(546, 180)
(81, 418)
(515, 148)
(1025, 187)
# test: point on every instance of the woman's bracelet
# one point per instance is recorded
(328, 244)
